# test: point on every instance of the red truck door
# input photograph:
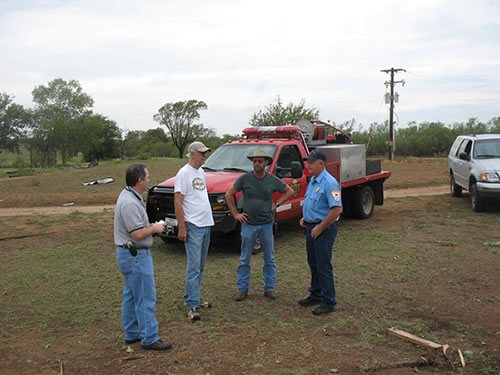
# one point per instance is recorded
(282, 169)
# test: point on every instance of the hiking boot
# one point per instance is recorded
(270, 294)
(322, 310)
(205, 304)
(241, 296)
(193, 314)
(132, 341)
(309, 301)
(158, 345)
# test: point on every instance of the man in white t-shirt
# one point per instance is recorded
(194, 214)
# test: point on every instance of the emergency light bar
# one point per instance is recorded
(272, 131)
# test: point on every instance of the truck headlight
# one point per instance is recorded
(219, 203)
(489, 177)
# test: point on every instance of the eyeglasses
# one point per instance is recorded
(203, 153)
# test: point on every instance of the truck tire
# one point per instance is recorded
(455, 190)
(363, 203)
(476, 199)
(347, 203)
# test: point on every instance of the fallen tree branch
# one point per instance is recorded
(414, 339)
(132, 357)
(462, 360)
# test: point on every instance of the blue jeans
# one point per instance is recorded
(319, 257)
(198, 239)
(249, 235)
(139, 296)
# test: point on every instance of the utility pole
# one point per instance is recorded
(391, 108)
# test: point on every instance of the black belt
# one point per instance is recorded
(126, 248)
(133, 250)
(316, 223)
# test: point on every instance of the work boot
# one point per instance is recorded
(241, 296)
(322, 310)
(309, 301)
(270, 294)
(158, 345)
(131, 341)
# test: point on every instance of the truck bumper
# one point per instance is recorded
(489, 189)
(223, 223)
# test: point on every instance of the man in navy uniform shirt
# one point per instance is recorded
(320, 213)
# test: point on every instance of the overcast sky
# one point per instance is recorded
(238, 56)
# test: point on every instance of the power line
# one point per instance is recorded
(392, 83)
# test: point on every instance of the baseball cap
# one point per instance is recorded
(198, 147)
(316, 155)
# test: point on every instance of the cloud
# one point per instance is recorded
(237, 56)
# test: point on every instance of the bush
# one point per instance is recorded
(144, 155)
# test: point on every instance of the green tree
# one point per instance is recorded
(156, 143)
(61, 106)
(276, 114)
(179, 118)
(98, 138)
(13, 121)
(494, 125)
(133, 143)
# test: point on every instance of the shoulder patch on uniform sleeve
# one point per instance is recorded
(336, 195)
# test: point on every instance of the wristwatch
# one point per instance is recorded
(277, 204)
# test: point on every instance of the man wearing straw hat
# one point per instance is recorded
(256, 220)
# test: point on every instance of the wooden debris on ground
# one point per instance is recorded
(131, 357)
(462, 360)
(414, 339)
(426, 343)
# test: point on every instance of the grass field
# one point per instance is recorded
(63, 185)
(427, 265)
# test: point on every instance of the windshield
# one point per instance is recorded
(233, 157)
(488, 148)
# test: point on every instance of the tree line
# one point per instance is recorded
(62, 124)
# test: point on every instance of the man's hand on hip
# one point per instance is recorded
(242, 218)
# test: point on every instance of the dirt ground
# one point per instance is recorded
(471, 299)
(457, 298)
(71, 208)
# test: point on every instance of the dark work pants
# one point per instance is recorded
(319, 257)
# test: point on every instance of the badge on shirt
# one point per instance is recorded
(317, 189)
(198, 184)
(336, 195)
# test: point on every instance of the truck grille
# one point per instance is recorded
(160, 203)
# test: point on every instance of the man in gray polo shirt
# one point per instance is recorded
(136, 263)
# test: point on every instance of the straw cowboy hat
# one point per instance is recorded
(261, 154)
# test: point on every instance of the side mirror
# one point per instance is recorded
(296, 169)
(463, 156)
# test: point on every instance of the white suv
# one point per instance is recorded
(474, 165)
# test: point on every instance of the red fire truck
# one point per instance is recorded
(361, 180)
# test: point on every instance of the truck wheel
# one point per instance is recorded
(476, 199)
(257, 248)
(363, 203)
(456, 190)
